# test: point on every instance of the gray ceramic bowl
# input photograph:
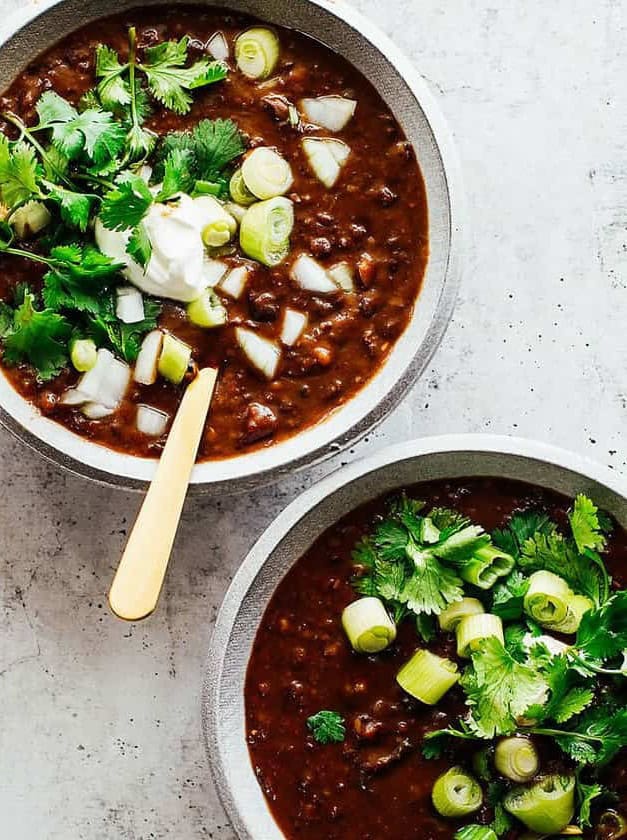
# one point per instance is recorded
(38, 25)
(291, 534)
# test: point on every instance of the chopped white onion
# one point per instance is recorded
(151, 421)
(330, 112)
(96, 411)
(74, 397)
(90, 383)
(235, 281)
(311, 276)
(130, 305)
(114, 384)
(263, 354)
(326, 157)
(146, 365)
(294, 323)
(218, 47)
(342, 274)
(213, 271)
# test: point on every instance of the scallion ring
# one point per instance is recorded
(456, 793)
(368, 626)
(265, 230)
(427, 677)
(516, 759)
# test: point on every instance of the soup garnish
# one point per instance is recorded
(190, 190)
(496, 651)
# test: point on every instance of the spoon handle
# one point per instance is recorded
(136, 586)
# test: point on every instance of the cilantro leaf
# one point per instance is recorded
(169, 80)
(75, 207)
(75, 278)
(602, 634)
(125, 206)
(124, 339)
(585, 525)
(113, 89)
(327, 727)
(556, 554)
(567, 697)
(37, 336)
(93, 130)
(508, 596)
(500, 689)
(18, 172)
(139, 246)
(599, 734)
(521, 527)
(586, 794)
(178, 176)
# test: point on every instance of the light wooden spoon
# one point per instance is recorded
(137, 583)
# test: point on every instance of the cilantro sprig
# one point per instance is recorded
(327, 727)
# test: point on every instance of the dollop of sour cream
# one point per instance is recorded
(175, 268)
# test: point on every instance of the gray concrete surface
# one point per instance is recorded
(99, 732)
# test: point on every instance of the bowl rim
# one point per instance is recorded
(346, 424)
(300, 509)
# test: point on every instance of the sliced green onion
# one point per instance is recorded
(427, 677)
(266, 173)
(174, 359)
(487, 565)
(235, 210)
(207, 310)
(239, 191)
(30, 219)
(83, 354)
(453, 614)
(218, 233)
(257, 52)
(265, 230)
(516, 759)
(472, 629)
(546, 807)
(612, 826)
(368, 626)
(577, 607)
(456, 793)
(547, 598)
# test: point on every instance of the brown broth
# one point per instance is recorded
(376, 785)
(378, 207)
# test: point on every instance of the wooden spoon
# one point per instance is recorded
(137, 583)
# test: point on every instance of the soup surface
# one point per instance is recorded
(373, 219)
(376, 783)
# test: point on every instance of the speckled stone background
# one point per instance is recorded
(99, 721)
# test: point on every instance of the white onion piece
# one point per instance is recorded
(294, 323)
(151, 421)
(145, 173)
(235, 210)
(338, 148)
(218, 47)
(90, 383)
(213, 271)
(74, 397)
(263, 354)
(235, 281)
(130, 305)
(323, 163)
(311, 276)
(148, 358)
(342, 274)
(114, 384)
(96, 411)
(330, 112)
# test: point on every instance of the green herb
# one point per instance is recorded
(521, 527)
(508, 596)
(586, 794)
(327, 727)
(18, 173)
(124, 339)
(163, 69)
(602, 635)
(35, 336)
(585, 524)
(125, 206)
(596, 737)
(557, 554)
(499, 688)
(567, 694)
